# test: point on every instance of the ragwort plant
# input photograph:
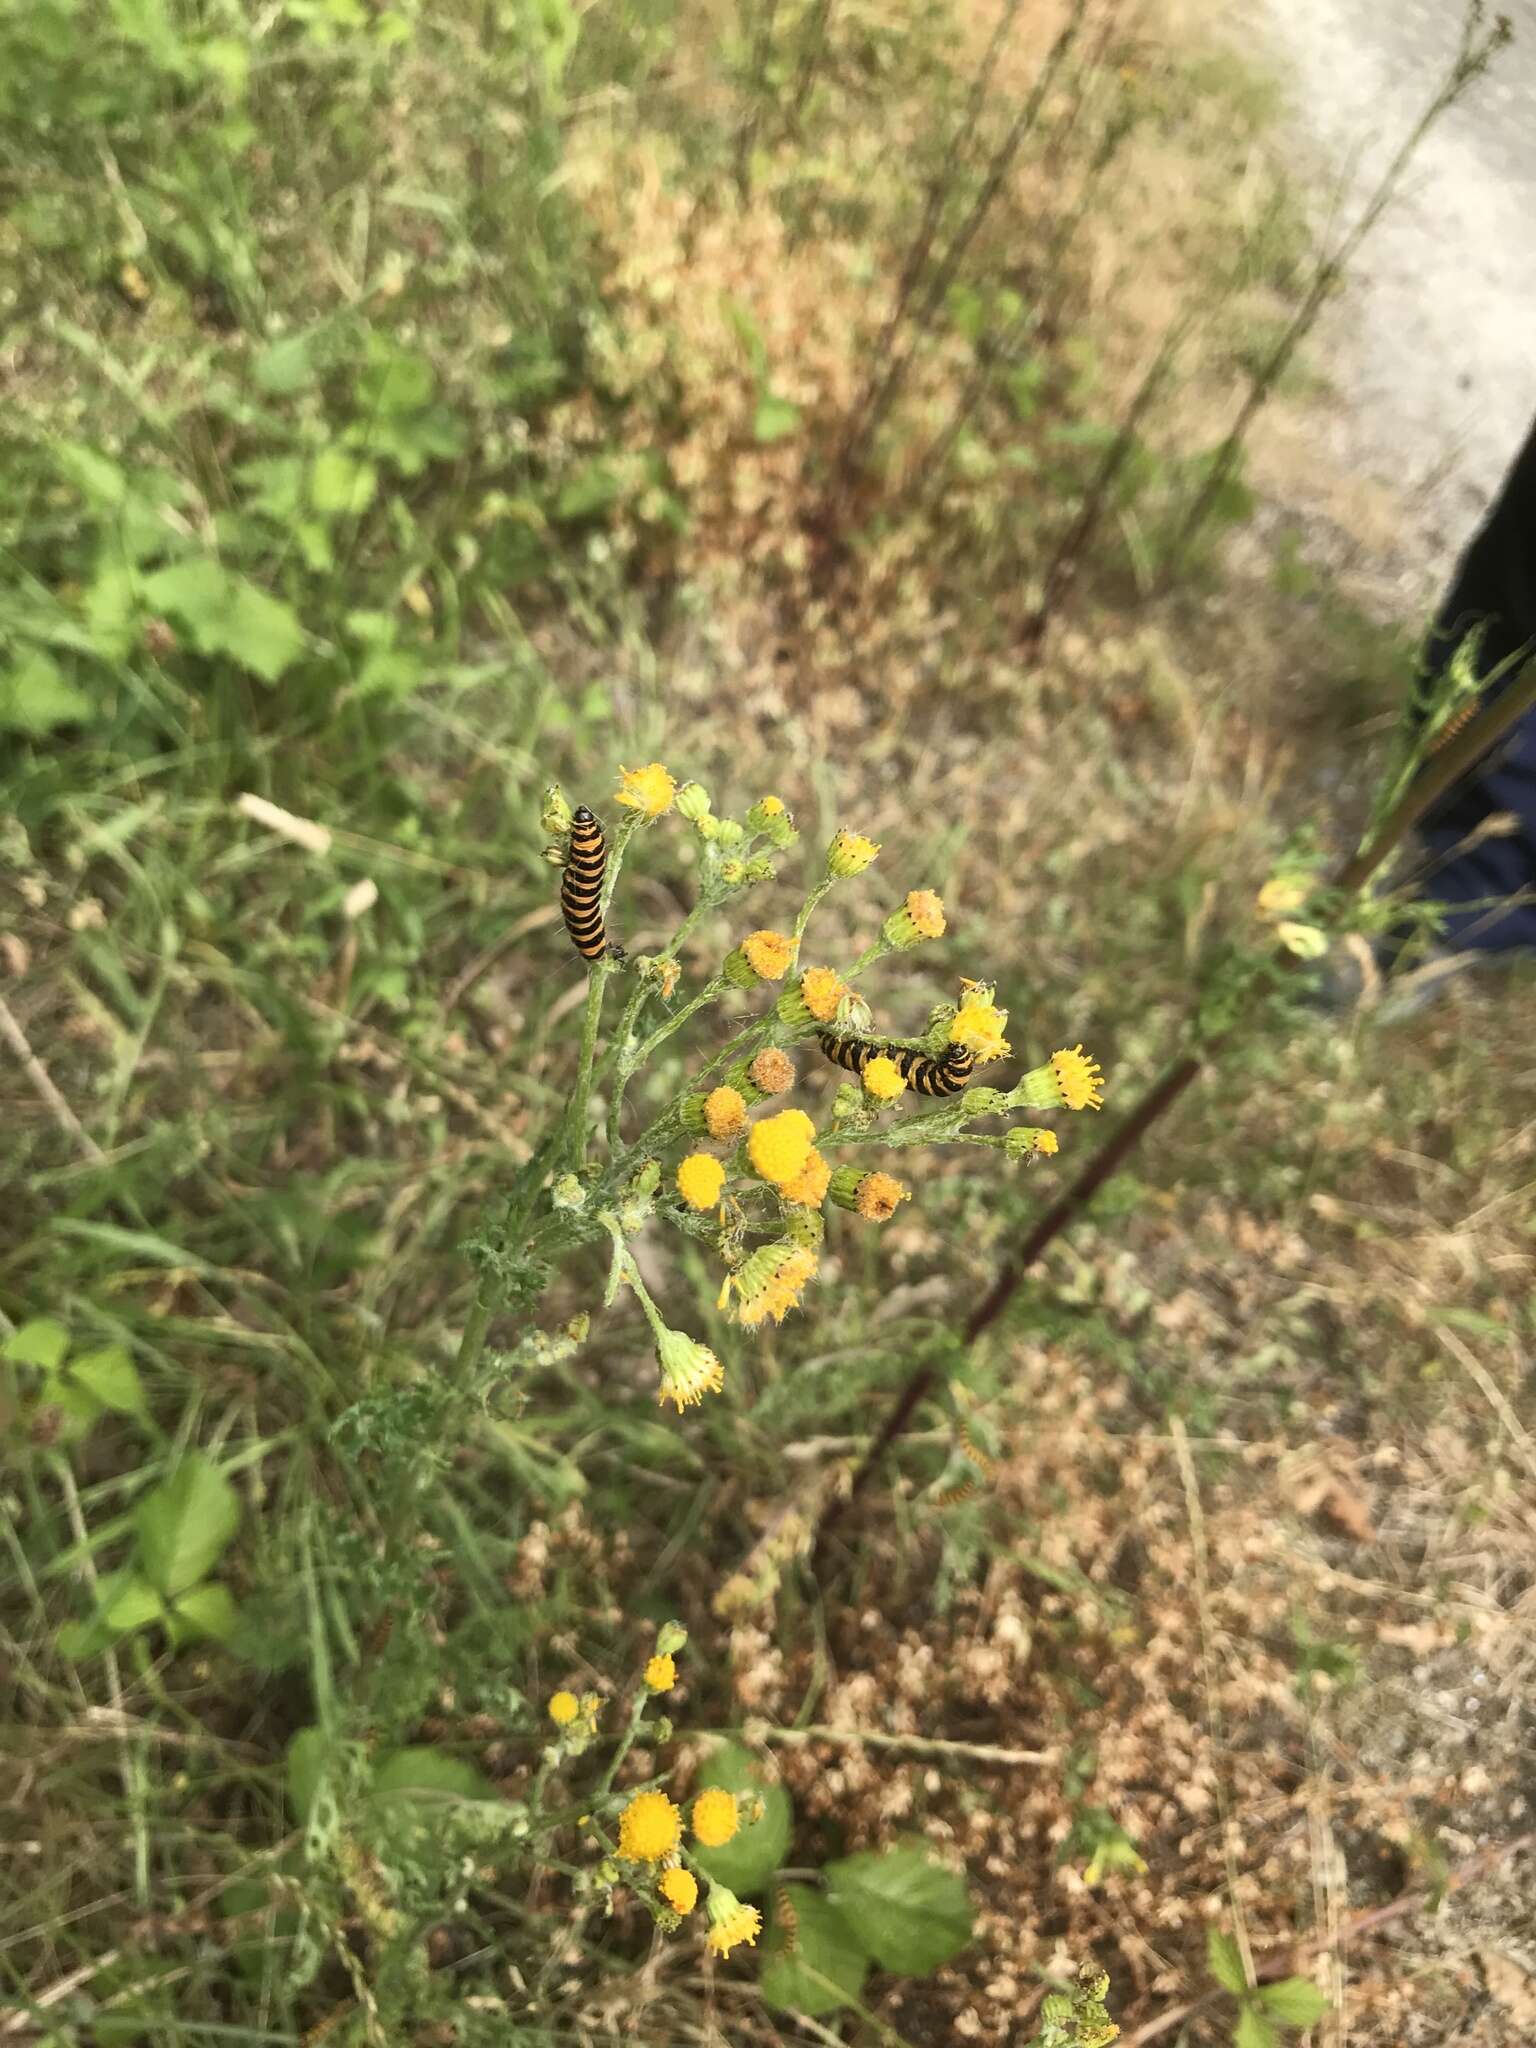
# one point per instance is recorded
(725, 1159)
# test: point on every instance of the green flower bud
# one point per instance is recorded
(555, 816)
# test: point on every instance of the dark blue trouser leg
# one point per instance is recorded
(1495, 590)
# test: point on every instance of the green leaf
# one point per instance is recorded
(94, 475)
(207, 1611)
(307, 1754)
(826, 1968)
(429, 1771)
(1294, 2001)
(37, 698)
(77, 1405)
(340, 484)
(775, 417)
(754, 1853)
(43, 1342)
(591, 490)
(227, 614)
(111, 1376)
(264, 633)
(1225, 1960)
(185, 1525)
(1253, 2030)
(283, 367)
(132, 1604)
(909, 1912)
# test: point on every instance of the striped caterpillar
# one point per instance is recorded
(581, 888)
(946, 1075)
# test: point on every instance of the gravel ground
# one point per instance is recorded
(1432, 347)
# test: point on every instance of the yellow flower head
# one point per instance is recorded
(809, 1186)
(883, 1079)
(730, 1922)
(659, 972)
(878, 1196)
(770, 1282)
(689, 1370)
(769, 954)
(1282, 894)
(725, 1114)
(920, 917)
(715, 1818)
(761, 956)
(563, 1709)
(1029, 1141)
(978, 1025)
(772, 1071)
(770, 806)
(779, 1146)
(650, 1827)
(661, 1674)
(680, 1889)
(850, 853)
(700, 1177)
(1078, 1078)
(648, 790)
(822, 989)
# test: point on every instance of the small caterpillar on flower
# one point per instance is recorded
(582, 887)
(946, 1075)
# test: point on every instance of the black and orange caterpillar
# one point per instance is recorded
(946, 1075)
(787, 1920)
(581, 888)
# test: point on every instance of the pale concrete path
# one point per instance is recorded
(1432, 347)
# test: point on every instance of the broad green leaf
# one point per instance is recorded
(94, 475)
(78, 1640)
(37, 698)
(78, 1405)
(43, 1342)
(339, 483)
(431, 1772)
(133, 1604)
(264, 633)
(306, 1765)
(206, 1611)
(111, 1376)
(283, 367)
(1225, 1960)
(908, 1911)
(754, 1853)
(775, 417)
(227, 614)
(185, 1525)
(592, 489)
(1253, 2030)
(1294, 2001)
(817, 1969)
